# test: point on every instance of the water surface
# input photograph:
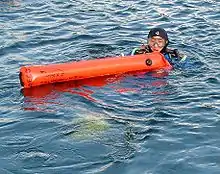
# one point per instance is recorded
(143, 123)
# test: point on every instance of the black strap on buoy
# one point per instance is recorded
(148, 62)
(21, 82)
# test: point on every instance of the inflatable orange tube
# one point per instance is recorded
(37, 75)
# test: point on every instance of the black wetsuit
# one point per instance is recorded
(172, 56)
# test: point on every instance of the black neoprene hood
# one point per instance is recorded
(158, 32)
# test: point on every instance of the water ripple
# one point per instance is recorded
(133, 123)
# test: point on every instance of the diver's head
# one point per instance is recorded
(158, 39)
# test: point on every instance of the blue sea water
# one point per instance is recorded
(134, 124)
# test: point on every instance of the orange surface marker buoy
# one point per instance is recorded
(37, 75)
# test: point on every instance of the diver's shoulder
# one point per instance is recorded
(175, 53)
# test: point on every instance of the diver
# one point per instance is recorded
(157, 42)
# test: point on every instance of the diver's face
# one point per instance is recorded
(156, 43)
